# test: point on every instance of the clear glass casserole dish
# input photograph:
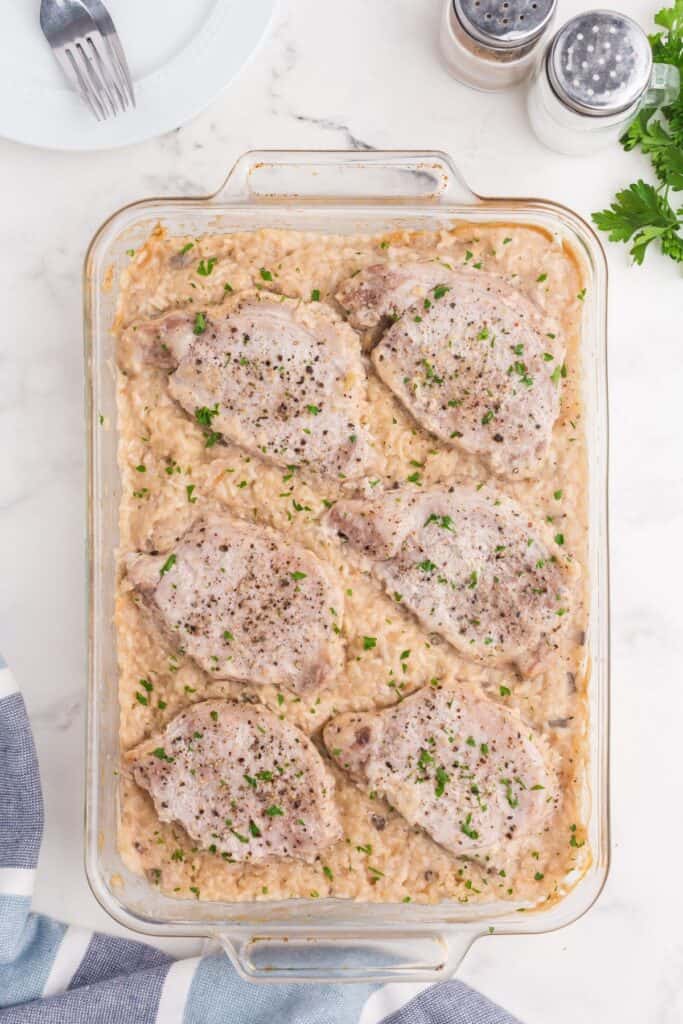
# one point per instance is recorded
(331, 939)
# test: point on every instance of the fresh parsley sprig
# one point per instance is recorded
(642, 213)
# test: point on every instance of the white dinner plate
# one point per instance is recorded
(181, 54)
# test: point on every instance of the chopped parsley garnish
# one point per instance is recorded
(274, 811)
(206, 266)
(327, 872)
(559, 538)
(424, 759)
(186, 248)
(298, 575)
(168, 564)
(204, 415)
(509, 796)
(141, 468)
(254, 829)
(557, 495)
(466, 828)
(426, 566)
(161, 754)
(442, 777)
(238, 835)
(541, 278)
(369, 642)
(313, 409)
(315, 295)
(265, 274)
(199, 323)
(441, 290)
(190, 489)
(487, 417)
(505, 691)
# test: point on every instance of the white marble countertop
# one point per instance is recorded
(363, 73)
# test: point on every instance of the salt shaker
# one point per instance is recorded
(592, 80)
(491, 44)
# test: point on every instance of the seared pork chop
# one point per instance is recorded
(471, 565)
(468, 356)
(241, 782)
(246, 604)
(464, 769)
(281, 378)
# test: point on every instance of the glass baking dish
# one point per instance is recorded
(331, 939)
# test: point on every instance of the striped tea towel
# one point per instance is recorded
(51, 973)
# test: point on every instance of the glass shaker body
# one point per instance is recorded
(594, 77)
(492, 44)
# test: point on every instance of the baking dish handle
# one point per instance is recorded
(340, 956)
(388, 176)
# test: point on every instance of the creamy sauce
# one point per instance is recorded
(169, 479)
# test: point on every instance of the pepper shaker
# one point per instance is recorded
(492, 44)
(594, 77)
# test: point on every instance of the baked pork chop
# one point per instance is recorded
(281, 378)
(469, 564)
(461, 767)
(246, 604)
(240, 781)
(468, 356)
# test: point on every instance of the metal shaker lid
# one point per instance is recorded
(599, 63)
(504, 24)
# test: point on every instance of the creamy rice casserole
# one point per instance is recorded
(352, 588)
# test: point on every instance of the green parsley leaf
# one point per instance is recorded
(466, 828)
(206, 266)
(168, 564)
(442, 777)
(369, 642)
(640, 215)
(161, 754)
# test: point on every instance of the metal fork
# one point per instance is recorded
(89, 52)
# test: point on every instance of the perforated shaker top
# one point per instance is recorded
(504, 24)
(600, 62)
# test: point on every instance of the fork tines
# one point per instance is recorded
(97, 72)
(88, 49)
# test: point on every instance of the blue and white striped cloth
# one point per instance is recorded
(51, 973)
